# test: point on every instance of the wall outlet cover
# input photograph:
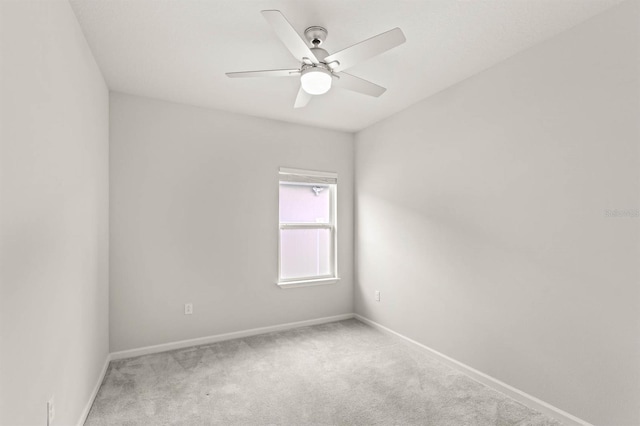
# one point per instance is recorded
(188, 308)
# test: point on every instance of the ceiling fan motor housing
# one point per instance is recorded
(319, 53)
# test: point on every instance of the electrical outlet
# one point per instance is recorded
(188, 308)
(51, 412)
(377, 294)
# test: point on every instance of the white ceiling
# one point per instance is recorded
(179, 50)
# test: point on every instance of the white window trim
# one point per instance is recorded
(333, 226)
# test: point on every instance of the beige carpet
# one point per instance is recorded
(343, 373)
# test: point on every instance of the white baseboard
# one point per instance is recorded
(96, 388)
(516, 394)
(130, 353)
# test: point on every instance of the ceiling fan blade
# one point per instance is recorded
(302, 99)
(288, 35)
(357, 84)
(265, 73)
(366, 49)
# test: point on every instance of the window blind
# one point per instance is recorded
(307, 176)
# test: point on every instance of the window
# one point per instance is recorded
(307, 243)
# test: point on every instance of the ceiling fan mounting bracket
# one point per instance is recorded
(315, 35)
(320, 65)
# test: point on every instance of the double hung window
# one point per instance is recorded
(307, 243)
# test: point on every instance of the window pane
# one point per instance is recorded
(305, 253)
(304, 203)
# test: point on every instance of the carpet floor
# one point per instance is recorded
(342, 373)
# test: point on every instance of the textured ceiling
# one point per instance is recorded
(179, 50)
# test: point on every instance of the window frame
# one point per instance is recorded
(331, 225)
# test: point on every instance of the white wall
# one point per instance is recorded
(54, 223)
(194, 218)
(481, 219)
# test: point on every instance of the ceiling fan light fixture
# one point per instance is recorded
(316, 80)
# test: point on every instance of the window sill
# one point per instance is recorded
(307, 283)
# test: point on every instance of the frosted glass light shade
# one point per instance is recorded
(316, 81)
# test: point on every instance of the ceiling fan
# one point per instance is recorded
(319, 69)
